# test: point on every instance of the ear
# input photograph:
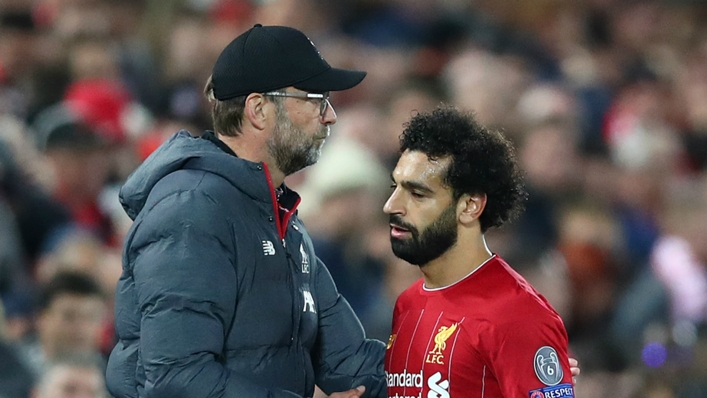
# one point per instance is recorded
(470, 207)
(254, 110)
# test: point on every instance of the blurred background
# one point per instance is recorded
(605, 100)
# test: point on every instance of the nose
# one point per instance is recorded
(329, 115)
(392, 205)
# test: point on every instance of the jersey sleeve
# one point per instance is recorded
(528, 355)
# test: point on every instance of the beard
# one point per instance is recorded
(435, 240)
(292, 148)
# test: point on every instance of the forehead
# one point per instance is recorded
(66, 301)
(76, 377)
(416, 166)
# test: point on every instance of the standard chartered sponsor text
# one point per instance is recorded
(419, 395)
(404, 379)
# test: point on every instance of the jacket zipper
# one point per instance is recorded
(280, 222)
(281, 226)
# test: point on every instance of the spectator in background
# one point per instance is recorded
(72, 376)
(17, 59)
(11, 255)
(183, 80)
(679, 257)
(70, 314)
(692, 89)
(23, 181)
(588, 241)
(72, 148)
(99, 97)
(76, 250)
(30, 217)
(541, 149)
(16, 378)
(410, 97)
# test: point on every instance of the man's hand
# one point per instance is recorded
(353, 393)
(574, 369)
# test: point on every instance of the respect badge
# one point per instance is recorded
(558, 391)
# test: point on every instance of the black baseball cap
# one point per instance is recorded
(267, 58)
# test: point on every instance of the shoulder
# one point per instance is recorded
(194, 192)
(211, 185)
(410, 295)
(515, 302)
(180, 212)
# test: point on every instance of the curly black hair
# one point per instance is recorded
(482, 161)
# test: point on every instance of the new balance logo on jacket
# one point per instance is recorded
(268, 248)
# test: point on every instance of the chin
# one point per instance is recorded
(403, 255)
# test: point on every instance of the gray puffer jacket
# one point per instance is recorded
(222, 294)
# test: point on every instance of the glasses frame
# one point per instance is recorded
(323, 98)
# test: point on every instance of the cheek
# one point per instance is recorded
(298, 118)
(423, 215)
(307, 125)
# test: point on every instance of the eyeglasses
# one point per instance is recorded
(323, 98)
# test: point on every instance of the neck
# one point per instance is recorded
(459, 261)
(248, 148)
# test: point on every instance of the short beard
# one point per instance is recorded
(434, 241)
(290, 147)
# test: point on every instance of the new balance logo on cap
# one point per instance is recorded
(268, 248)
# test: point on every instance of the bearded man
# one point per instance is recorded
(472, 326)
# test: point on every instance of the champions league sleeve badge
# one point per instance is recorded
(549, 371)
(547, 366)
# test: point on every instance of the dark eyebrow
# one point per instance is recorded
(412, 185)
(416, 186)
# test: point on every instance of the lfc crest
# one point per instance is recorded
(305, 259)
(443, 334)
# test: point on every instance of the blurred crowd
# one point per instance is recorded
(606, 101)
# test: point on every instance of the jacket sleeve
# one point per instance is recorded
(186, 291)
(343, 357)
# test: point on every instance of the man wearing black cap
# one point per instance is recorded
(222, 294)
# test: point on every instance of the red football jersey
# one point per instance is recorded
(490, 335)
